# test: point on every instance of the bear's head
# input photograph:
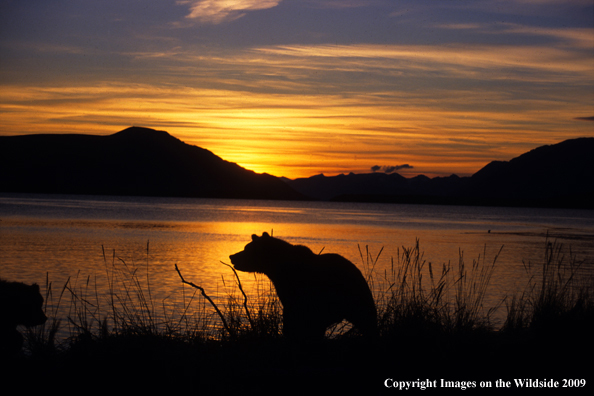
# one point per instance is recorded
(262, 254)
(29, 306)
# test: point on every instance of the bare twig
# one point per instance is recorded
(245, 299)
(225, 325)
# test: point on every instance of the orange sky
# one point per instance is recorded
(301, 88)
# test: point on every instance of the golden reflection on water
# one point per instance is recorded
(32, 249)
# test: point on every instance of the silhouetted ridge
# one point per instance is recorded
(135, 161)
(554, 171)
(143, 161)
(560, 175)
(146, 135)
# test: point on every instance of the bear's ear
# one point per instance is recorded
(254, 237)
(35, 287)
(265, 234)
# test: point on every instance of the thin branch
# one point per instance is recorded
(245, 299)
(209, 300)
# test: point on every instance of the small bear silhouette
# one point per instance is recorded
(316, 291)
(20, 304)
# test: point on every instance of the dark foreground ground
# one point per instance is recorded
(349, 365)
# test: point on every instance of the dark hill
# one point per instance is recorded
(141, 161)
(559, 175)
(325, 188)
(559, 172)
(135, 161)
(375, 186)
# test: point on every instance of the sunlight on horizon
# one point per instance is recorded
(445, 93)
(301, 135)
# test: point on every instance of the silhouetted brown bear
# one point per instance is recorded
(20, 304)
(316, 290)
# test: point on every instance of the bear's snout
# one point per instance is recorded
(239, 261)
(234, 258)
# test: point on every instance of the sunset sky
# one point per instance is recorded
(301, 87)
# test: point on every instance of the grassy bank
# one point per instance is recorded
(432, 322)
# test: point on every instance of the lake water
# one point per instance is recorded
(82, 237)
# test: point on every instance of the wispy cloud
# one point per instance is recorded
(578, 38)
(390, 168)
(473, 61)
(575, 37)
(334, 86)
(218, 11)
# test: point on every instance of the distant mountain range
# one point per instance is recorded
(559, 175)
(142, 161)
(135, 161)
